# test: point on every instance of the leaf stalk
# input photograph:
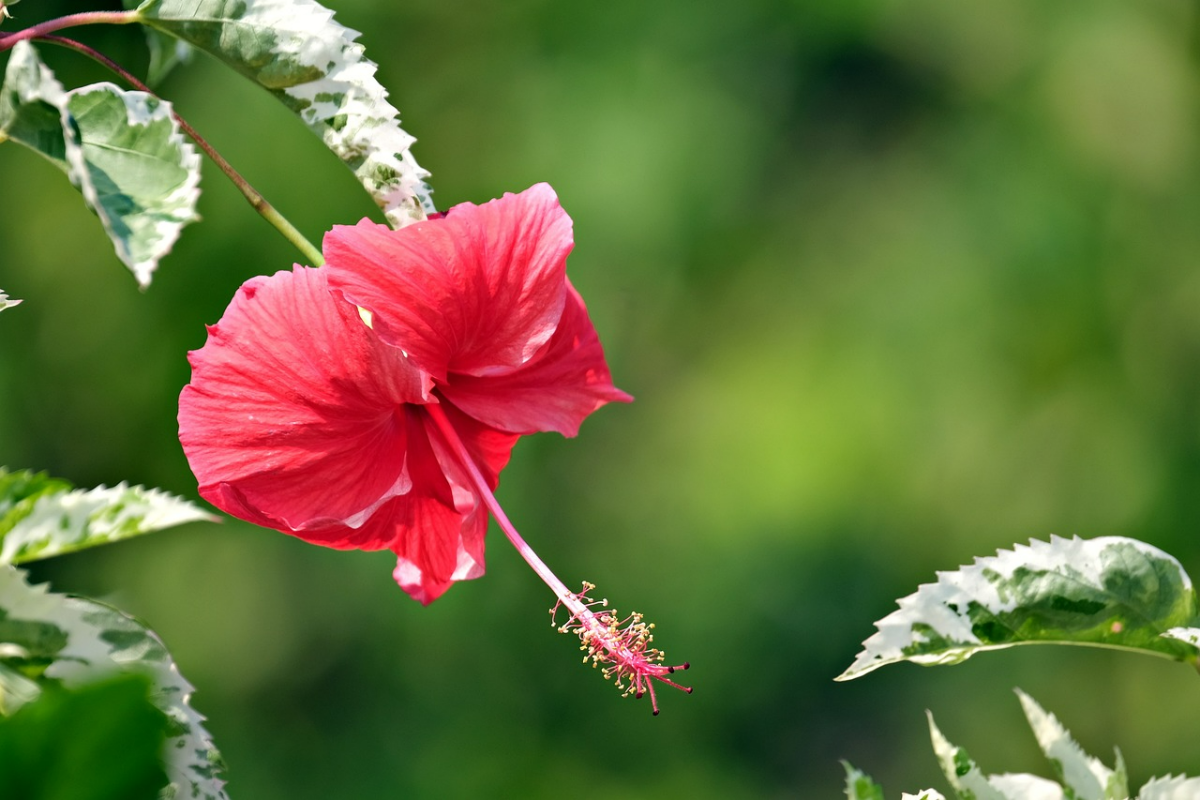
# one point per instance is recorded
(252, 195)
(43, 29)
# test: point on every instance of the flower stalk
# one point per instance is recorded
(621, 647)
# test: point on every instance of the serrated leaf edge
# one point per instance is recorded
(346, 106)
(96, 516)
(959, 768)
(1084, 775)
(141, 110)
(932, 603)
(87, 656)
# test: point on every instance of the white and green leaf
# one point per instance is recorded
(1029, 787)
(928, 794)
(122, 149)
(295, 50)
(860, 786)
(166, 52)
(961, 770)
(42, 517)
(7, 302)
(53, 637)
(1084, 777)
(1189, 635)
(135, 169)
(1171, 788)
(16, 689)
(31, 105)
(1106, 592)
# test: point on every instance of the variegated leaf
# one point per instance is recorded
(928, 794)
(7, 302)
(123, 150)
(961, 771)
(16, 689)
(1085, 777)
(46, 636)
(859, 785)
(1189, 635)
(42, 517)
(1171, 788)
(31, 105)
(1029, 787)
(142, 175)
(1108, 592)
(166, 52)
(295, 50)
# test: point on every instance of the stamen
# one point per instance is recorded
(621, 645)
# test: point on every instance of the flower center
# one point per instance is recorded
(621, 645)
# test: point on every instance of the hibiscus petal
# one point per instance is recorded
(488, 447)
(295, 414)
(428, 522)
(475, 291)
(439, 539)
(567, 380)
(419, 586)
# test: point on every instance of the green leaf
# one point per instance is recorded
(1107, 592)
(1083, 777)
(98, 742)
(859, 785)
(53, 639)
(42, 517)
(165, 54)
(295, 50)
(7, 302)
(122, 150)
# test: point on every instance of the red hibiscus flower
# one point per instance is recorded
(371, 403)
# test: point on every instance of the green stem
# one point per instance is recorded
(252, 195)
(69, 21)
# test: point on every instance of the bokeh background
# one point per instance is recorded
(896, 283)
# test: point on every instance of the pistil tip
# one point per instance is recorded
(621, 645)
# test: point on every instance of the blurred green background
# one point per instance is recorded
(896, 283)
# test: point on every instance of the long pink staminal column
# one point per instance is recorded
(621, 645)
